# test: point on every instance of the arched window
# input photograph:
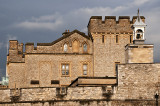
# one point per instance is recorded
(65, 47)
(139, 34)
(85, 48)
(75, 46)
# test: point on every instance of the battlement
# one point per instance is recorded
(15, 47)
(15, 52)
(110, 25)
(99, 18)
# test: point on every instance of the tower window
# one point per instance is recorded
(130, 38)
(85, 48)
(85, 69)
(139, 34)
(102, 38)
(65, 69)
(65, 47)
(117, 39)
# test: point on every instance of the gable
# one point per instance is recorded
(64, 37)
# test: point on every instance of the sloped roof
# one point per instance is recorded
(139, 22)
(63, 37)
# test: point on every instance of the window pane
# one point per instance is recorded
(67, 67)
(63, 72)
(65, 47)
(84, 72)
(85, 67)
(63, 67)
(85, 47)
(67, 72)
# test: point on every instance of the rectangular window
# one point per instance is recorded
(85, 69)
(34, 81)
(102, 38)
(65, 69)
(54, 81)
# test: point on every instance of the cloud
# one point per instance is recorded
(140, 2)
(11, 37)
(49, 22)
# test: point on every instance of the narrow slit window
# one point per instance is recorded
(117, 40)
(85, 48)
(130, 38)
(85, 69)
(102, 38)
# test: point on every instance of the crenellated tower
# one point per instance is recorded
(109, 40)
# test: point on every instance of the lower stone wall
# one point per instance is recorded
(75, 96)
(87, 103)
(137, 86)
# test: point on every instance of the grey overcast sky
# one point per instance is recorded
(46, 20)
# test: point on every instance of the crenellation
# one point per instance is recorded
(20, 48)
(29, 47)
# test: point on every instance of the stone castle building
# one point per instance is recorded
(111, 65)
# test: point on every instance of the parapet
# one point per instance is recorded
(29, 47)
(13, 44)
(15, 47)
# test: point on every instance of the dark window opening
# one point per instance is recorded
(130, 38)
(102, 38)
(34, 81)
(138, 36)
(54, 81)
(117, 39)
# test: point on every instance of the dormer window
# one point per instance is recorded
(85, 48)
(65, 47)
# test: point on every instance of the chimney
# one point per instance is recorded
(65, 33)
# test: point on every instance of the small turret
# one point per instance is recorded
(138, 30)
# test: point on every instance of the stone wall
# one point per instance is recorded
(77, 96)
(111, 50)
(44, 63)
(138, 81)
(137, 85)
(142, 53)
